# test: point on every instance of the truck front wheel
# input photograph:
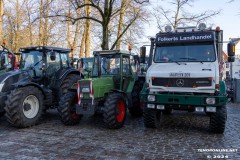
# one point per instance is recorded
(151, 118)
(218, 120)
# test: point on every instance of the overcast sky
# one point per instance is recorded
(228, 20)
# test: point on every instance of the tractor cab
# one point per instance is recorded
(116, 65)
(44, 62)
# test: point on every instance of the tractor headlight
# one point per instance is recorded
(85, 90)
(210, 100)
(151, 98)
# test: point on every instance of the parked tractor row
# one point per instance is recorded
(181, 73)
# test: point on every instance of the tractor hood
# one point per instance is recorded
(100, 86)
(9, 78)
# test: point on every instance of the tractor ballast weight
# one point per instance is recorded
(112, 88)
(44, 75)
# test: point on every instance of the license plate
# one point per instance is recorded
(179, 75)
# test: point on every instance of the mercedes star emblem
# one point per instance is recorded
(180, 82)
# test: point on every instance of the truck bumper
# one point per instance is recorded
(182, 102)
(3, 98)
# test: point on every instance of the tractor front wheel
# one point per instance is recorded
(67, 109)
(24, 107)
(114, 111)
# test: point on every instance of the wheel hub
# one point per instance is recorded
(31, 106)
(27, 106)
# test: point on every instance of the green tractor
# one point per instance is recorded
(112, 88)
(44, 75)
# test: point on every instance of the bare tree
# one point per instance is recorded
(104, 12)
(177, 15)
(1, 19)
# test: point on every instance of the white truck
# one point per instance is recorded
(184, 75)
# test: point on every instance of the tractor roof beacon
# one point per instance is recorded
(185, 74)
(44, 75)
(112, 88)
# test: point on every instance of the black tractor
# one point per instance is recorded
(44, 75)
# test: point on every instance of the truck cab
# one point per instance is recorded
(184, 75)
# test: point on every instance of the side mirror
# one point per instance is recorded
(231, 59)
(53, 56)
(142, 54)
(231, 49)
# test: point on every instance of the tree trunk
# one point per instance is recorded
(120, 25)
(1, 20)
(88, 29)
(17, 32)
(82, 46)
(40, 40)
(45, 31)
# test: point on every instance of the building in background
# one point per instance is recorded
(235, 66)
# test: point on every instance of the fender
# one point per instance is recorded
(25, 84)
(66, 73)
(127, 100)
(223, 88)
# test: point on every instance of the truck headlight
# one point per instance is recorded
(85, 90)
(210, 100)
(151, 98)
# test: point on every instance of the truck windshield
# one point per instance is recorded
(108, 65)
(189, 53)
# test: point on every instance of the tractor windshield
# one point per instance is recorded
(107, 65)
(31, 59)
(185, 53)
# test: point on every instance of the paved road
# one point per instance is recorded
(182, 136)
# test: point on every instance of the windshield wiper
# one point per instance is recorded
(193, 59)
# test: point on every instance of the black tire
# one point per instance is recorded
(67, 109)
(135, 110)
(2, 114)
(218, 120)
(67, 84)
(114, 111)
(151, 118)
(15, 109)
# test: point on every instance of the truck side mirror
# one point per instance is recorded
(53, 56)
(142, 54)
(231, 49)
(231, 59)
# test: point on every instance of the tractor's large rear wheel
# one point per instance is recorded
(135, 110)
(24, 107)
(114, 111)
(67, 109)
(218, 119)
(151, 118)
